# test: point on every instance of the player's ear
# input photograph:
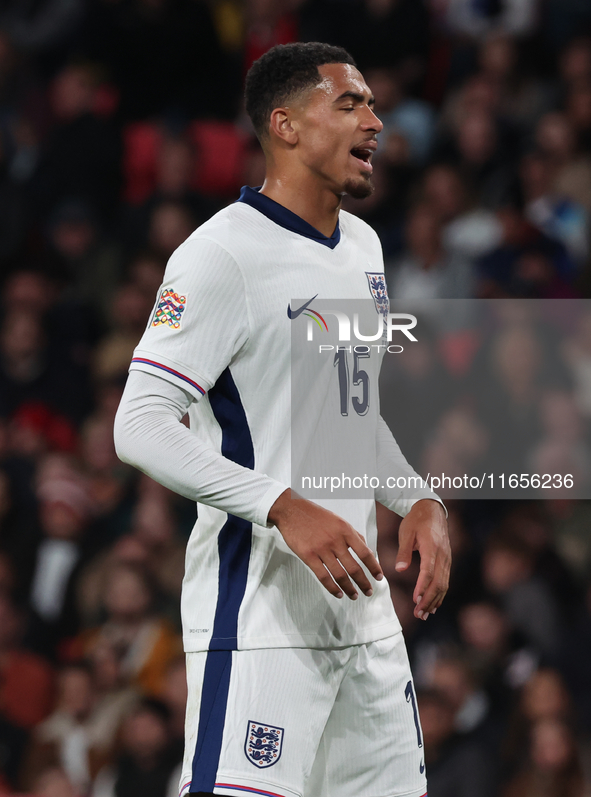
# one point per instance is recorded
(281, 124)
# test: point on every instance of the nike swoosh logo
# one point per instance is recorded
(422, 767)
(295, 313)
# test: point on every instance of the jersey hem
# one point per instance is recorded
(292, 641)
(239, 786)
(422, 792)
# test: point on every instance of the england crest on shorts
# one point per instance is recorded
(379, 291)
(263, 744)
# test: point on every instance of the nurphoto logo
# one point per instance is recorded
(394, 322)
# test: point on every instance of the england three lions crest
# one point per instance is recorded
(263, 744)
(379, 292)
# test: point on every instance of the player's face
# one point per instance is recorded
(337, 131)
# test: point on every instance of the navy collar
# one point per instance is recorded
(285, 218)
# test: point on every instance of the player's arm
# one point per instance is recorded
(424, 525)
(149, 435)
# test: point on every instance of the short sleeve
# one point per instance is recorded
(199, 321)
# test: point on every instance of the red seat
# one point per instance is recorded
(221, 149)
(141, 143)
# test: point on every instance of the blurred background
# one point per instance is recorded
(122, 129)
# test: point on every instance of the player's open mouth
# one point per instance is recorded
(364, 154)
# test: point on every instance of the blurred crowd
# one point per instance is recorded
(121, 129)
(493, 388)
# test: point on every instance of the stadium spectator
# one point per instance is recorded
(555, 215)
(79, 157)
(63, 739)
(413, 118)
(500, 657)
(469, 231)
(146, 760)
(458, 767)
(555, 136)
(522, 97)
(171, 223)
(144, 641)
(425, 271)
(129, 308)
(555, 766)
(54, 562)
(560, 449)
(508, 572)
(452, 676)
(82, 258)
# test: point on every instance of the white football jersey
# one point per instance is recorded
(221, 330)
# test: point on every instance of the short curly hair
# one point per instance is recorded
(282, 72)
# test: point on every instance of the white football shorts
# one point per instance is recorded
(302, 722)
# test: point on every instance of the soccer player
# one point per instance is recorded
(299, 683)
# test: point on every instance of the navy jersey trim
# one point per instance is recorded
(235, 537)
(286, 218)
(212, 718)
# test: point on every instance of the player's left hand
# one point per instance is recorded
(424, 529)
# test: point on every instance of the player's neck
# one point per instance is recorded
(320, 208)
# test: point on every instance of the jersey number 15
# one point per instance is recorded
(360, 377)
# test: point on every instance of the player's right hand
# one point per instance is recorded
(324, 542)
